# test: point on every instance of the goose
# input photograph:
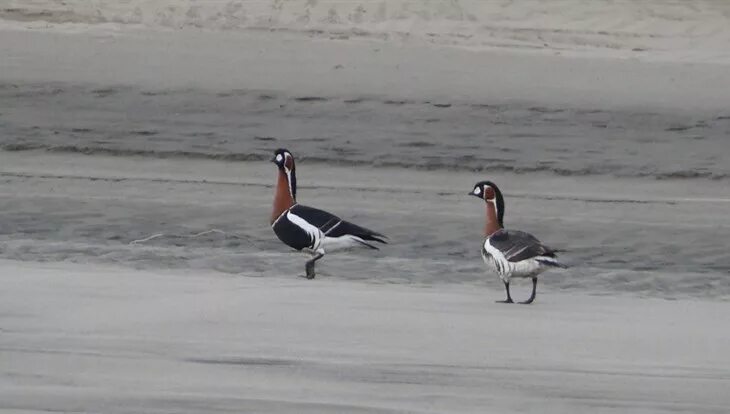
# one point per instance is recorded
(511, 253)
(309, 229)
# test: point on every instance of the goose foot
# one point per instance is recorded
(532, 296)
(509, 298)
(309, 267)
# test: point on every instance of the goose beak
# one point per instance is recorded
(273, 159)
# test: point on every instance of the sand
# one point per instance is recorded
(323, 67)
(122, 120)
(619, 234)
(99, 339)
(654, 30)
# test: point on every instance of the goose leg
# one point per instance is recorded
(310, 265)
(509, 298)
(534, 289)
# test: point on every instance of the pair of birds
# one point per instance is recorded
(509, 254)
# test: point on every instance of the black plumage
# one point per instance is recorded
(333, 226)
(328, 224)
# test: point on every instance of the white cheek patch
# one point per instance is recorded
(278, 158)
(477, 191)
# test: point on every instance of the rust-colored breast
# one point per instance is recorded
(282, 198)
(492, 223)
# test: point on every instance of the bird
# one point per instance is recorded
(309, 229)
(511, 253)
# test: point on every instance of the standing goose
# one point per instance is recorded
(309, 229)
(511, 253)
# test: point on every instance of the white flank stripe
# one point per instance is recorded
(504, 268)
(314, 233)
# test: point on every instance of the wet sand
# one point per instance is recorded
(620, 235)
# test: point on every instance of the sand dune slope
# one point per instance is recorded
(695, 30)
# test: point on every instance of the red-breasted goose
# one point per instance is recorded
(308, 229)
(511, 253)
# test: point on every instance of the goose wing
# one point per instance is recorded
(333, 226)
(518, 245)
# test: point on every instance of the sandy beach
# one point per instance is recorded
(76, 338)
(139, 272)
